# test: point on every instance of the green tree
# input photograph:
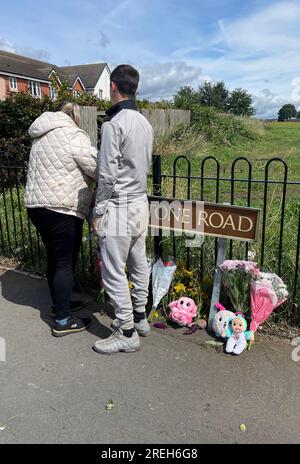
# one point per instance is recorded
(185, 98)
(240, 102)
(286, 112)
(215, 95)
(298, 115)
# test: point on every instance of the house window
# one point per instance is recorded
(76, 93)
(101, 94)
(53, 93)
(13, 84)
(35, 88)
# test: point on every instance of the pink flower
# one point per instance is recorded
(233, 264)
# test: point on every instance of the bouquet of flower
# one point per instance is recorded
(268, 291)
(237, 277)
(162, 275)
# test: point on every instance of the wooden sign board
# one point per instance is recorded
(197, 217)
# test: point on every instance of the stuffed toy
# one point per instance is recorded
(238, 335)
(183, 311)
(221, 321)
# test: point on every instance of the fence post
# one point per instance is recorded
(217, 281)
(88, 116)
(156, 191)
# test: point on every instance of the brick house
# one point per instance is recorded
(22, 74)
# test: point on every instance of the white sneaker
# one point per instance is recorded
(142, 327)
(118, 342)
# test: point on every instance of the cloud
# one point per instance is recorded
(43, 55)
(296, 89)
(268, 103)
(164, 79)
(8, 46)
(271, 30)
(103, 40)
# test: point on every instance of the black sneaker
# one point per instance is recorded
(74, 306)
(73, 326)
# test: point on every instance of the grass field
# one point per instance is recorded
(279, 139)
(276, 139)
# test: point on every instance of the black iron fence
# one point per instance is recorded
(278, 246)
(240, 182)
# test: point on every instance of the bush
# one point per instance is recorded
(181, 140)
(221, 128)
(18, 112)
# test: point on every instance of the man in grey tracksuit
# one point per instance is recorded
(121, 212)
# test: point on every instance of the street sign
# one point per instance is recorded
(198, 217)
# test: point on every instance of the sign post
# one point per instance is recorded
(215, 296)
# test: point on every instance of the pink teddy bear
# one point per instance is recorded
(183, 311)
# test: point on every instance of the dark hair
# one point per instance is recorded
(126, 79)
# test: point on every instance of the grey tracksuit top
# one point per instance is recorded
(125, 156)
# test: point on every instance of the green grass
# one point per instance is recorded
(270, 140)
(279, 139)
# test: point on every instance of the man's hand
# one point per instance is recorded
(95, 225)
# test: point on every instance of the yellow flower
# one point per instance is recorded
(189, 273)
(179, 288)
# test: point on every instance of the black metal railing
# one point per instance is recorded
(277, 250)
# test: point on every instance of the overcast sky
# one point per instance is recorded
(253, 44)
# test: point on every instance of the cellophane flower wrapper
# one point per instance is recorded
(162, 276)
(268, 291)
(150, 262)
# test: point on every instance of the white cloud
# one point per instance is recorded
(8, 46)
(268, 103)
(296, 89)
(273, 29)
(164, 79)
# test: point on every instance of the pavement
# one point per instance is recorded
(176, 390)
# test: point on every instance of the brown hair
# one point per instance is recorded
(71, 109)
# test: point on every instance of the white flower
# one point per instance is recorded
(251, 255)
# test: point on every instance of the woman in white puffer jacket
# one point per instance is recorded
(58, 193)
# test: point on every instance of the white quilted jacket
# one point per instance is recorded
(62, 165)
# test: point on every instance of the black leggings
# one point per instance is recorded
(61, 235)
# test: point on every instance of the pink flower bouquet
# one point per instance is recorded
(268, 291)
